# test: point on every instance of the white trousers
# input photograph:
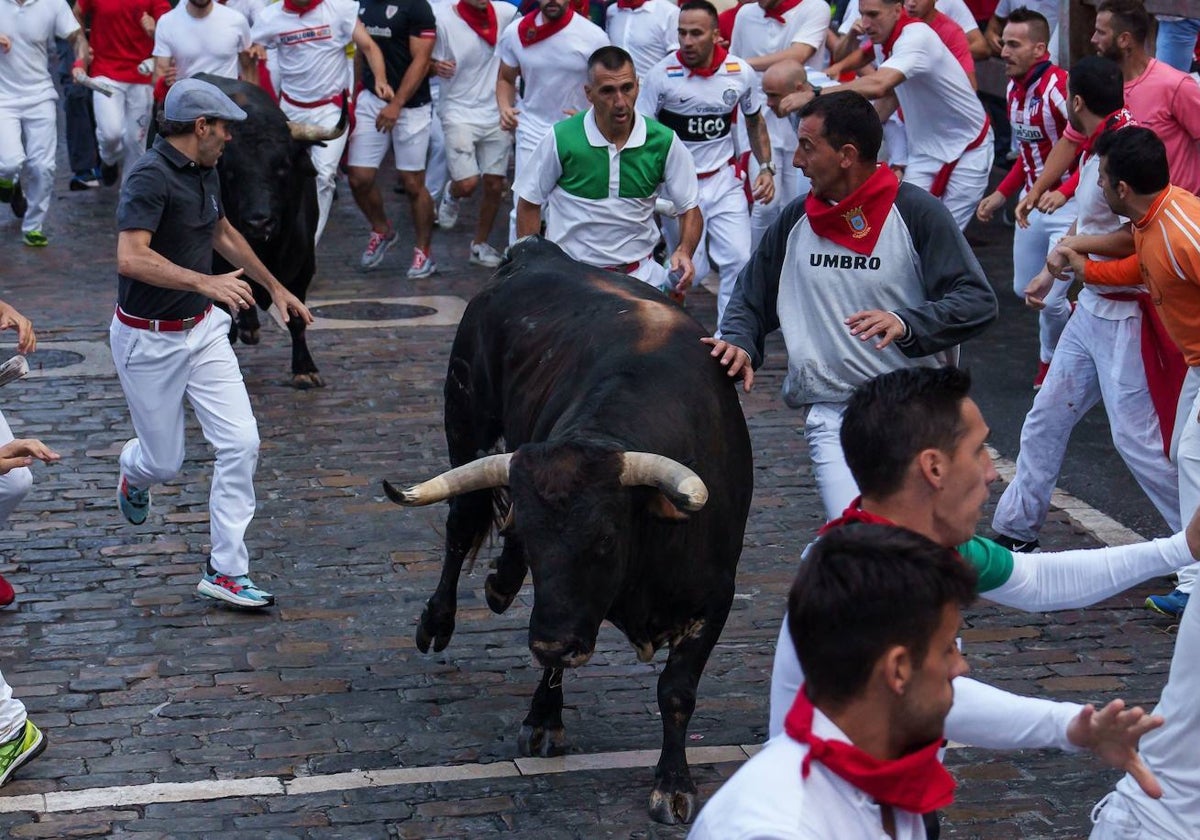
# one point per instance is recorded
(437, 175)
(122, 121)
(15, 484)
(1031, 246)
(967, 183)
(1185, 453)
(526, 142)
(823, 433)
(28, 144)
(12, 712)
(1097, 359)
(325, 158)
(157, 371)
(726, 237)
(790, 184)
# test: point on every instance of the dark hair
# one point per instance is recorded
(1039, 27)
(849, 119)
(893, 417)
(1136, 156)
(1098, 81)
(1128, 16)
(610, 58)
(701, 6)
(863, 589)
(174, 128)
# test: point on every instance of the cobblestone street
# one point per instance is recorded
(319, 718)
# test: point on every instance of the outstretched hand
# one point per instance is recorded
(20, 453)
(1112, 735)
(734, 358)
(11, 319)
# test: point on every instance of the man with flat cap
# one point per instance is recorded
(168, 341)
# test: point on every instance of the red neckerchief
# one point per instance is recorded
(630, 4)
(857, 220)
(482, 21)
(1119, 118)
(780, 9)
(718, 56)
(854, 513)
(583, 7)
(902, 22)
(917, 782)
(531, 32)
(297, 10)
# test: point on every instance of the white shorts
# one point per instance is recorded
(409, 138)
(474, 149)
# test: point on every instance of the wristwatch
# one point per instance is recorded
(767, 166)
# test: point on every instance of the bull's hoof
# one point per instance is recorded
(671, 807)
(248, 336)
(537, 741)
(428, 634)
(305, 381)
(497, 600)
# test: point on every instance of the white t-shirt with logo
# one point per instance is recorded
(311, 48)
(202, 45)
(24, 75)
(469, 96)
(647, 33)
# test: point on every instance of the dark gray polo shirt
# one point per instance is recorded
(179, 202)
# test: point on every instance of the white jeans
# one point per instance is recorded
(967, 184)
(325, 158)
(823, 433)
(1031, 245)
(790, 184)
(14, 485)
(1185, 453)
(157, 371)
(122, 121)
(28, 143)
(1096, 359)
(12, 712)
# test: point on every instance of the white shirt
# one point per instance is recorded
(24, 70)
(700, 108)
(956, 10)
(202, 45)
(311, 48)
(768, 798)
(248, 8)
(613, 230)
(647, 33)
(1096, 218)
(469, 96)
(942, 114)
(554, 71)
(755, 34)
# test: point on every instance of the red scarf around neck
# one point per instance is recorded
(857, 220)
(531, 31)
(902, 22)
(780, 9)
(1118, 119)
(917, 782)
(718, 56)
(482, 21)
(854, 513)
(298, 10)
(630, 4)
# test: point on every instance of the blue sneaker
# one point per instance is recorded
(1171, 605)
(133, 503)
(239, 591)
(26, 746)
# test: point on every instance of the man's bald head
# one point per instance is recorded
(782, 78)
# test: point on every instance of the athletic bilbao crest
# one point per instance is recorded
(858, 222)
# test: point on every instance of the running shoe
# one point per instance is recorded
(1017, 546)
(18, 203)
(422, 265)
(133, 503)
(377, 246)
(26, 746)
(447, 210)
(109, 172)
(35, 239)
(485, 255)
(239, 591)
(1171, 605)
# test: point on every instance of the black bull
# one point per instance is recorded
(269, 191)
(588, 378)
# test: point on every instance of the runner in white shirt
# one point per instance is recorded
(601, 172)
(549, 50)
(310, 38)
(201, 36)
(645, 29)
(696, 92)
(950, 144)
(956, 10)
(763, 34)
(28, 109)
(477, 149)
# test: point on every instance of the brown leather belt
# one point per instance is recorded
(156, 325)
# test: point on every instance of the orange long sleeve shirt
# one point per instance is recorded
(1167, 241)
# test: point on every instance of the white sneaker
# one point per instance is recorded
(422, 265)
(377, 246)
(484, 254)
(447, 210)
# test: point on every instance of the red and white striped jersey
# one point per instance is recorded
(1037, 110)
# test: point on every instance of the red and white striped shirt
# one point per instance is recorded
(1037, 110)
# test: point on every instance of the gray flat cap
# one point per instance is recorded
(190, 99)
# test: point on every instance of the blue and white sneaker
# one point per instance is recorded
(133, 502)
(1171, 605)
(239, 591)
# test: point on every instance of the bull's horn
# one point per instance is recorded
(314, 133)
(681, 485)
(491, 471)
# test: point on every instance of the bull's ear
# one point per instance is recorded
(660, 507)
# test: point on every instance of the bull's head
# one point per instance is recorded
(575, 523)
